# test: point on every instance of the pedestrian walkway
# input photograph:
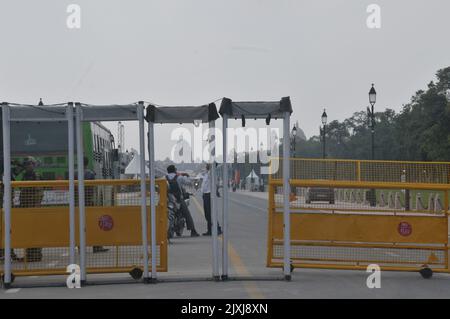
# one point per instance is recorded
(260, 195)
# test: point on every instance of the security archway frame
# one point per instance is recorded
(31, 113)
(129, 112)
(184, 115)
(65, 112)
(258, 110)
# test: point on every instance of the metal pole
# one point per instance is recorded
(7, 194)
(286, 188)
(225, 201)
(151, 156)
(295, 151)
(324, 140)
(373, 200)
(81, 202)
(215, 239)
(373, 134)
(140, 115)
(71, 157)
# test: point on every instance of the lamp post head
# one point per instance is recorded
(324, 117)
(294, 131)
(372, 95)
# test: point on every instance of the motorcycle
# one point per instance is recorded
(196, 185)
(177, 222)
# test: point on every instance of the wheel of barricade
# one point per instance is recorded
(426, 272)
(3, 278)
(136, 273)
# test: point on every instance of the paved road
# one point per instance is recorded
(191, 258)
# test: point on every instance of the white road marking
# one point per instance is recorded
(12, 291)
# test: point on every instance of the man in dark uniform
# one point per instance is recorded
(16, 169)
(31, 197)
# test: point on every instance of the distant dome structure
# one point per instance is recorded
(300, 134)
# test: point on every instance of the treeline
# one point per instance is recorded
(419, 132)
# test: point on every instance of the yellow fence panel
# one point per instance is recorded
(334, 225)
(2, 241)
(40, 227)
(363, 228)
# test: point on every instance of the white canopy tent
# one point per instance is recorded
(31, 113)
(65, 112)
(130, 112)
(252, 178)
(180, 114)
(258, 110)
(185, 115)
(134, 167)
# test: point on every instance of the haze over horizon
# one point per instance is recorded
(177, 52)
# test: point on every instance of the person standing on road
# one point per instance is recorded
(206, 192)
(89, 197)
(16, 169)
(31, 197)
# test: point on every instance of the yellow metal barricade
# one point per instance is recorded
(40, 226)
(334, 225)
(368, 171)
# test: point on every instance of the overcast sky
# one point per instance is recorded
(191, 52)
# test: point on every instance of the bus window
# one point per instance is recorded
(98, 143)
(48, 176)
(48, 160)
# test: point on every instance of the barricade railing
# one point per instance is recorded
(40, 227)
(367, 171)
(335, 225)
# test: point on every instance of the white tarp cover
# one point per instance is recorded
(256, 110)
(134, 167)
(182, 114)
(254, 176)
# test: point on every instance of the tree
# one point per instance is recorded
(420, 131)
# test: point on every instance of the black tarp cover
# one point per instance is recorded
(258, 110)
(182, 114)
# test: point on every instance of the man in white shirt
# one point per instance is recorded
(206, 192)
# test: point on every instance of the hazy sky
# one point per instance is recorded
(176, 52)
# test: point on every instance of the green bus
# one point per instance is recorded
(46, 142)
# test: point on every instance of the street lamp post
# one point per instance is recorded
(372, 101)
(293, 142)
(324, 131)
